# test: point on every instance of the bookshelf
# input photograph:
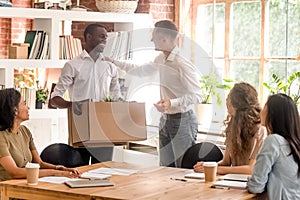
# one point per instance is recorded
(50, 125)
(51, 21)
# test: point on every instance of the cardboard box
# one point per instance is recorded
(18, 51)
(106, 123)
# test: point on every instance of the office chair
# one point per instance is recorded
(204, 151)
(62, 154)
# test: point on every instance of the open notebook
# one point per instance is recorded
(89, 183)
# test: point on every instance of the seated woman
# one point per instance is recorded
(277, 169)
(244, 134)
(17, 146)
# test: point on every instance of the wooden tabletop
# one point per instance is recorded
(149, 183)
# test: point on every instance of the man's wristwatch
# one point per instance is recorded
(59, 167)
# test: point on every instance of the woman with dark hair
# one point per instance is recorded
(16, 143)
(277, 169)
(244, 134)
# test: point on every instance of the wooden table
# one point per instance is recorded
(148, 184)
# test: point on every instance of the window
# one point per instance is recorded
(247, 40)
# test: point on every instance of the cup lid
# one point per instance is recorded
(32, 165)
(210, 164)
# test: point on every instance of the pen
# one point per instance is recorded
(179, 179)
(220, 187)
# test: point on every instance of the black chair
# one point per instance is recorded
(204, 151)
(62, 154)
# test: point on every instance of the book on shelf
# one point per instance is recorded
(61, 47)
(41, 45)
(78, 46)
(118, 45)
(29, 38)
(110, 44)
(69, 47)
(36, 45)
(123, 48)
(44, 51)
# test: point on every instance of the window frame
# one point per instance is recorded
(186, 15)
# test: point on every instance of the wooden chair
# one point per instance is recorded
(204, 151)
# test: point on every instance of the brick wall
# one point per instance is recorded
(13, 30)
(159, 9)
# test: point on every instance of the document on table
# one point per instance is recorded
(85, 175)
(56, 179)
(236, 177)
(113, 171)
(230, 184)
(91, 175)
(194, 175)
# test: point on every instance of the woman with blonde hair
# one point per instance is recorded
(244, 134)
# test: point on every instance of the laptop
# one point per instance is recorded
(89, 183)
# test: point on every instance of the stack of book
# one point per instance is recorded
(38, 41)
(69, 47)
(118, 45)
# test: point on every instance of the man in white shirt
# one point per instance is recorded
(89, 77)
(179, 91)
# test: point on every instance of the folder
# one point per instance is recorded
(89, 183)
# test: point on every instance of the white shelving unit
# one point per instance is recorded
(49, 126)
(51, 22)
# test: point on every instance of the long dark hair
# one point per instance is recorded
(9, 100)
(242, 127)
(283, 119)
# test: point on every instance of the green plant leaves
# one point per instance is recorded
(42, 95)
(279, 86)
(209, 84)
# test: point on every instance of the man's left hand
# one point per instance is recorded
(163, 105)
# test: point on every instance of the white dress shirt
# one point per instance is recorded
(179, 80)
(86, 79)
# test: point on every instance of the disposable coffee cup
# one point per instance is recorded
(210, 171)
(32, 173)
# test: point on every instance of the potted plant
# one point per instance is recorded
(210, 85)
(41, 97)
(291, 87)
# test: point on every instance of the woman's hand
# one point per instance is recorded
(70, 172)
(199, 167)
(67, 174)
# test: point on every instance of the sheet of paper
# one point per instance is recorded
(194, 175)
(91, 175)
(113, 171)
(231, 184)
(235, 177)
(56, 179)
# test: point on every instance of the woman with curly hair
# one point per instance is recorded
(17, 147)
(244, 134)
(277, 169)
